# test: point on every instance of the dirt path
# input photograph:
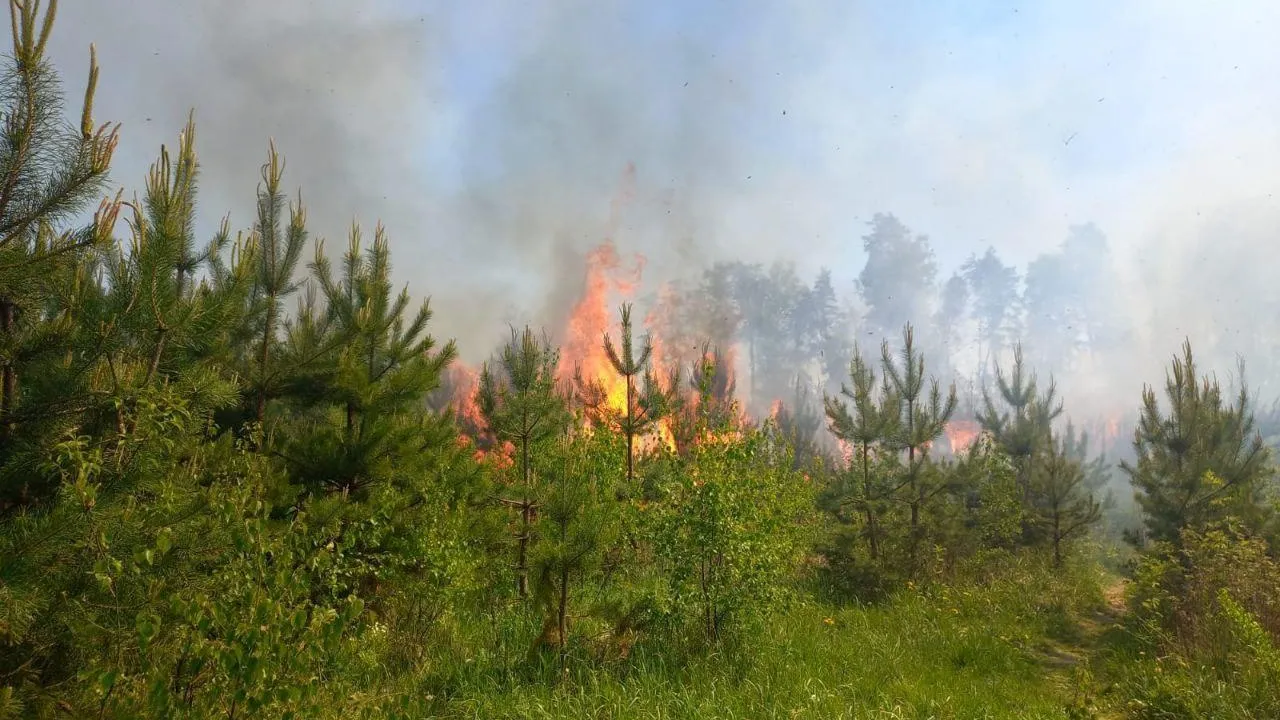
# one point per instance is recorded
(1069, 652)
(1114, 594)
(1093, 628)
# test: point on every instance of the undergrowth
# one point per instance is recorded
(969, 648)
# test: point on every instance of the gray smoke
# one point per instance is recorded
(492, 139)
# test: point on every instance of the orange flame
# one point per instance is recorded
(1112, 431)
(846, 451)
(583, 348)
(961, 434)
(582, 353)
(463, 380)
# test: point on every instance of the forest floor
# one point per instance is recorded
(1022, 646)
(1087, 637)
(1073, 656)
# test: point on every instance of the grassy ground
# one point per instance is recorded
(1004, 648)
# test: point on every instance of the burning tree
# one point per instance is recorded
(636, 405)
(711, 409)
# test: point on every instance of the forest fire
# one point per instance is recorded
(1111, 433)
(462, 380)
(583, 353)
(961, 434)
(586, 370)
(585, 365)
(583, 357)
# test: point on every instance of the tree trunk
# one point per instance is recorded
(263, 358)
(872, 531)
(1057, 540)
(526, 520)
(631, 436)
(522, 549)
(562, 617)
(9, 384)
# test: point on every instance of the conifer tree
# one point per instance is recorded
(714, 314)
(1097, 472)
(1025, 427)
(1201, 462)
(576, 526)
(994, 286)
(521, 405)
(898, 282)
(380, 364)
(786, 334)
(922, 421)
(953, 306)
(277, 251)
(870, 426)
(750, 292)
(799, 423)
(829, 327)
(712, 408)
(174, 322)
(50, 171)
(647, 401)
(1064, 503)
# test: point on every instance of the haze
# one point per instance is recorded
(490, 137)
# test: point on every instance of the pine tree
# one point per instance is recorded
(751, 295)
(711, 408)
(1097, 472)
(576, 526)
(521, 405)
(175, 324)
(1025, 427)
(799, 423)
(1064, 503)
(994, 286)
(898, 282)
(1200, 463)
(277, 251)
(787, 340)
(714, 314)
(50, 171)
(922, 421)
(647, 401)
(378, 365)
(871, 425)
(950, 316)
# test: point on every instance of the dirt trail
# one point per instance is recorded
(1067, 653)
(1114, 594)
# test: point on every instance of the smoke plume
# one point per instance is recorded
(492, 138)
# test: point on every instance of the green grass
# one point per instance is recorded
(968, 650)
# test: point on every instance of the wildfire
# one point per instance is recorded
(463, 380)
(1112, 431)
(610, 281)
(846, 451)
(1105, 434)
(961, 434)
(775, 410)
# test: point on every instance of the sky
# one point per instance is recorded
(491, 136)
